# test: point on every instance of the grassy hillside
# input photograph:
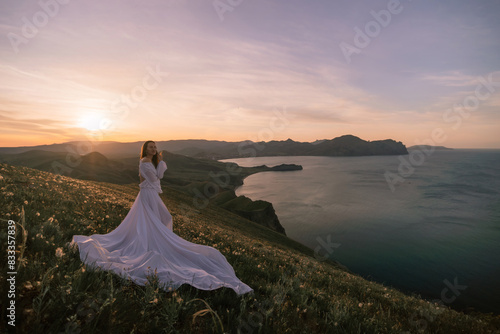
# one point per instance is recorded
(203, 178)
(93, 166)
(294, 291)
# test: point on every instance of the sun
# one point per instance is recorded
(90, 122)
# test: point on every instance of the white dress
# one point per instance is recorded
(144, 241)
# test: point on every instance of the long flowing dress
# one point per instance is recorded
(144, 242)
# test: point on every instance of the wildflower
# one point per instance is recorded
(59, 252)
(26, 202)
(28, 285)
(38, 214)
(154, 301)
(360, 304)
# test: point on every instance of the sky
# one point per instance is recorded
(419, 72)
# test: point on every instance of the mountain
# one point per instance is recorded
(353, 146)
(203, 179)
(296, 289)
(347, 145)
(429, 148)
(93, 166)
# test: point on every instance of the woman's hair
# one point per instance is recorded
(156, 157)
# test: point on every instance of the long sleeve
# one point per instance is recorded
(160, 170)
(152, 175)
(148, 172)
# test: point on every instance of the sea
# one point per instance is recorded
(427, 223)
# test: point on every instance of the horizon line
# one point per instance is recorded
(239, 141)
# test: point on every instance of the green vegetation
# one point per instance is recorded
(204, 179)
(294, 292)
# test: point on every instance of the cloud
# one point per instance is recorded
(39, 125)
(264, 56)
(451, 79)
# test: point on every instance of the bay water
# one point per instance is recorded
(436, 233)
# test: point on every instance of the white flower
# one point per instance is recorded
(59, 252)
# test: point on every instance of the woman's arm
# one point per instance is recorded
(162, 167)
(148, 172)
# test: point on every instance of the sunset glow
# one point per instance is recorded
(260, 71)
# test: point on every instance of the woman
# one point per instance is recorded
(144, 242)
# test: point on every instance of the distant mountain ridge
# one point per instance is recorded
(347, 145)
(429, 148)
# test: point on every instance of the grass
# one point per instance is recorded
(294, 292)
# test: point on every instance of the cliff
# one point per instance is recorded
(260, 212)
(294, 290)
